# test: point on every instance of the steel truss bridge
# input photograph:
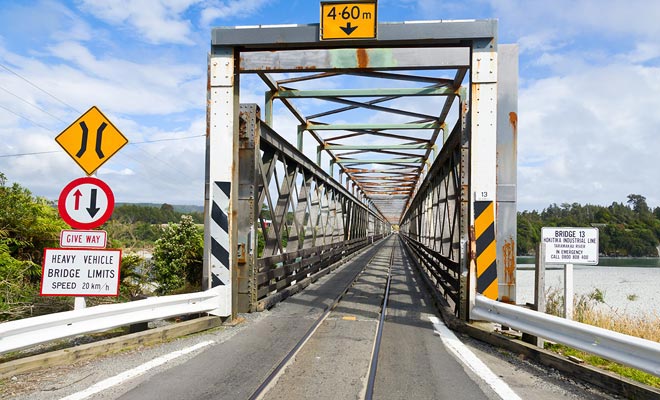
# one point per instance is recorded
(413, 132)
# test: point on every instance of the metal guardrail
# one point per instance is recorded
(16, 335)
(629, 350)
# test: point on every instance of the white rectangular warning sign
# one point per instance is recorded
(570, 245)
(80, 272)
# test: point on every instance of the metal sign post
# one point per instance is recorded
(569, 292)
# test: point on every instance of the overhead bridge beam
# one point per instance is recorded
(425, 91)
(364, 59)
(374, 127)
(377, 147)
(414, 160)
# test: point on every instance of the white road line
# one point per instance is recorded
(132, 373)
(472, 361)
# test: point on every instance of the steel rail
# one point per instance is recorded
(379, 335)
(328, 309)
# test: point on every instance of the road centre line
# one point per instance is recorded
(137, 371)
(468, 358)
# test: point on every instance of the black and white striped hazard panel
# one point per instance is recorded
(220, 234)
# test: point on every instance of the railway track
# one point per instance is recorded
(342, 346)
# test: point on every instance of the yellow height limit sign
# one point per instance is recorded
(348, 20)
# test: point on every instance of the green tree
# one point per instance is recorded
(178, 257)
(630, 229)
(28, 224)
(134, 276)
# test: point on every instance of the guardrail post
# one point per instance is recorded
(248, 209)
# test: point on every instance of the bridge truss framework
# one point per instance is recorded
(423, 140)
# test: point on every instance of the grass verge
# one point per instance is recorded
(592, 309)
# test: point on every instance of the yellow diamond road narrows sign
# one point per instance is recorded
(91, 140)
(348, 20)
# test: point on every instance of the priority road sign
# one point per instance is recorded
(91, 140)
(86, 203)
(348, 20)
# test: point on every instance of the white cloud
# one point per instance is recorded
(573, 18)
(587, 131)
(121, 86)
(157, 21)
(643, 52)
(230, 9)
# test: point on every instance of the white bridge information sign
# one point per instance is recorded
(80, 272)
(570, 245)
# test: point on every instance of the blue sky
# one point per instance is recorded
(588, 101)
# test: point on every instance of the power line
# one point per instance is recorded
(24, 117)
(166, 140)
(129, 143)
(32, 104)
(74, 109)
(37, 87)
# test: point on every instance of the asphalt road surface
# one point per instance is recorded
(417, 359)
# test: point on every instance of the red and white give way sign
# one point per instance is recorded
(86, 203)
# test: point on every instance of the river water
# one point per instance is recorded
(630, 285)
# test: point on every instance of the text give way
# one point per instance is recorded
(81, 238)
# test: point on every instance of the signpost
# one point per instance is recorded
(91, 140)
(78, 272)
(569, 246)
(348, 20)
(83, 267)
(86, 203)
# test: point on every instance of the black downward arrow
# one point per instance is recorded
(348, 29)
(92, 209)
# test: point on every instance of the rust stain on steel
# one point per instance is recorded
(362, 58)
(513, 120)
(509, 260)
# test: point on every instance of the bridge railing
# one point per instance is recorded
(294, 218)
(434, 226)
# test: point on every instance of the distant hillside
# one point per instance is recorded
(631, 229)
(155, 213)
(177, 207)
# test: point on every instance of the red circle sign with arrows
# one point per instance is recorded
(86, 203)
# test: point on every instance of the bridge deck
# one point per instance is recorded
(413, 361)
(335, 361)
